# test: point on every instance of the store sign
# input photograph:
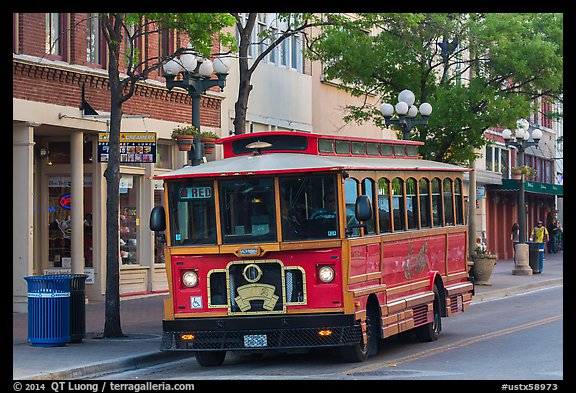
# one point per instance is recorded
(89, 271)
(64, 201)
(196, 193)
(480, 192)
(66, 181)
(135, 147)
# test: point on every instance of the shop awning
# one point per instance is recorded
(529, 186)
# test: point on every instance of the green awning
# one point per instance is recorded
(529, 186)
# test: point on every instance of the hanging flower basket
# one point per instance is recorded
(184, 142)
(184, 137)
(525, 170)
(209, 139)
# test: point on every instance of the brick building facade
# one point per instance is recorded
(59, 59)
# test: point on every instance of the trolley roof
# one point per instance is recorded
(285, 163)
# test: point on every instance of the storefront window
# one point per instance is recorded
(159, 236)
(59, 152)
(163, 156)
(129, 220)
(59, 218)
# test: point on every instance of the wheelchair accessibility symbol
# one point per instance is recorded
(195, 301)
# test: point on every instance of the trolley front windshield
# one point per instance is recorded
(248, 214)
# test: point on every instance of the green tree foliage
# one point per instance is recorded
(477, 70)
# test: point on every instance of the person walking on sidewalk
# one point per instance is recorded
(539, 233)
(515, 237)
(553, 232)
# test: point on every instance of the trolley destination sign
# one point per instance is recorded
(135, 147)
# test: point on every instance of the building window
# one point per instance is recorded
(129, 219)
(165, 44)
(55, 39)
(163, 156)
(60, 223)
(261, 29)
(94, 44)
(53, 42)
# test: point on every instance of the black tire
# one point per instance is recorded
(210, 359)
(431, 331)
(360, 351)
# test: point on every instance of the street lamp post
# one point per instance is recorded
(521, 142)
(406, 112)
(196, 73)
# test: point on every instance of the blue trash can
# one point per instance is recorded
(536, 256)
(48, 310)
(541, 256)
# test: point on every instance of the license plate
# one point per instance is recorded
(255, 340)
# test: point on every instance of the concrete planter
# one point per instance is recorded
(482, 269)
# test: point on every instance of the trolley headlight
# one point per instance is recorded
(326, 274)
(190, 279)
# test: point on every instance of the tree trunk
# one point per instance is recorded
(241, 106)
(112, 326)
(244, 88)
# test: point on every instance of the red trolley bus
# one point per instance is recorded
(298, 240)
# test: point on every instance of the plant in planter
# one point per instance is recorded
(209, 139)
(484, 262)
(184, 137)
(525, 170)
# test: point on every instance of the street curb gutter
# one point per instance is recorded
(113, 366)
(505, 292)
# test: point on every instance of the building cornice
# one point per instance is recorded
(41, 68)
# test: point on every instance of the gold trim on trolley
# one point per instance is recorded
(255, 290)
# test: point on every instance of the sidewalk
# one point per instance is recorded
(141, 320)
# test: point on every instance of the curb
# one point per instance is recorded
(506, 292)
(119, 365)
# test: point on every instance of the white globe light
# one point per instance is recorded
(387, 109)
(425, 109)
(523, 124)
(521, 134)
(206, 68)
(406, 96)
(402, 108)
(537, 134)
(506, 133)
(188, 62)
(221, 65)
(171, 67)
(412, 111)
